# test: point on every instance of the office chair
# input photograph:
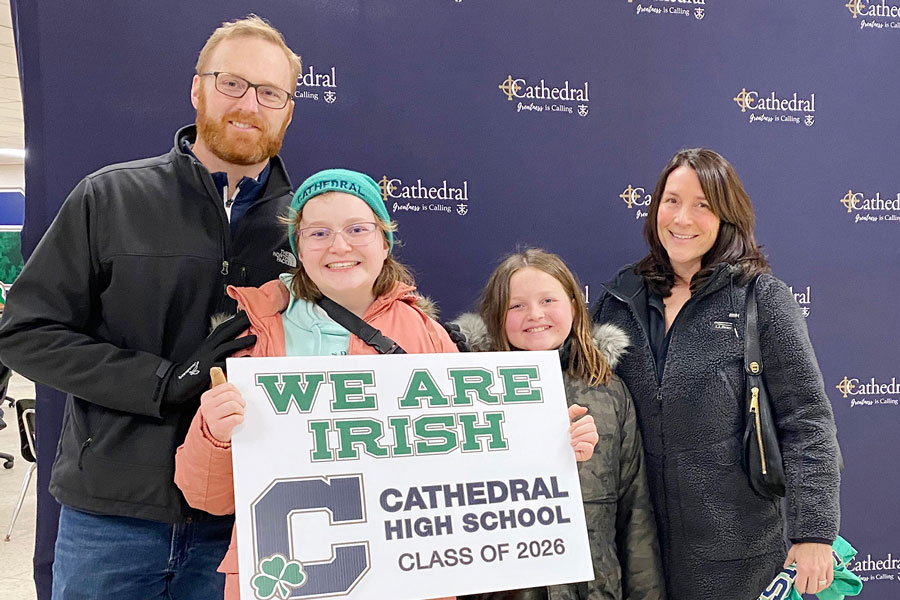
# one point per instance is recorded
(25, 417)
(5, 375)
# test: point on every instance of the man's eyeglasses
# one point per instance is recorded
(318, 238)
(235, 87)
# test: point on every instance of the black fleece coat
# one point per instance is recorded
(720, 539)
(122, 286)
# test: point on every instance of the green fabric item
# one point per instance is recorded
(782, 587)
(341, 180)
(845, 583)
(309, 331)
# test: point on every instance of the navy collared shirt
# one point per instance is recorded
(249, 190)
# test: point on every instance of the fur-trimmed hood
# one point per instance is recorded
(612, 341)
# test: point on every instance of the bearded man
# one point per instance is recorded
(114, 307)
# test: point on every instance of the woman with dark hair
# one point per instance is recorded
(682, 306)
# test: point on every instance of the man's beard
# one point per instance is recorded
(233, 147)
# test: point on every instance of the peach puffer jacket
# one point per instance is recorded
(203, 464)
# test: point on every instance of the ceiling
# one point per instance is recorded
(12, 123)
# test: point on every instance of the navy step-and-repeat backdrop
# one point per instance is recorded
(493, 123)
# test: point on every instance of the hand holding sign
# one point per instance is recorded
(583, 432)
(222, 406)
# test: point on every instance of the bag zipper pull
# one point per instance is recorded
(754, 410)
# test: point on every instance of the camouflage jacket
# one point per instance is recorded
(620, 522)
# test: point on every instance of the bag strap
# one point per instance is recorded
(346, 319)
(753, 363)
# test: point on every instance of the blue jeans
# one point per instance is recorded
(104, 557)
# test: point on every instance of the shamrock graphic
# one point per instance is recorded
(276, 576)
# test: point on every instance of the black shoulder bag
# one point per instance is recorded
(762, 452)
(346, 319)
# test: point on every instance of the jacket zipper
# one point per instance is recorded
(225, 222)
(628, 303)
(648, 349)
(662, 434)
(637, 320)
(84, 447)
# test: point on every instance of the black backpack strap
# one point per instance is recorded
(359, 328)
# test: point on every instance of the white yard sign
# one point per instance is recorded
(405, 477)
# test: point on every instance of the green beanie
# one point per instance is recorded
(341, 180)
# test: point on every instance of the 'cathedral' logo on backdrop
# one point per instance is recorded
(568, 99)
(870, 392)
(674, 8)
(803, 296)
(883, 15)
(317, 85)
(878, 568)
(418, 197)
(872, 209)
(772, 107)
(636, 199)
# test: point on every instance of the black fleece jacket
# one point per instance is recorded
(719, 539)
(122, 285)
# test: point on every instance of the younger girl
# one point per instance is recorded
(532, 302)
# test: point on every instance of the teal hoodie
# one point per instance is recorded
(309, 331)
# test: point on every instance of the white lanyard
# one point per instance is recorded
(229, 201)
